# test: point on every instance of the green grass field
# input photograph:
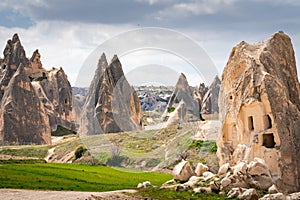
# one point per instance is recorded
(74, 177)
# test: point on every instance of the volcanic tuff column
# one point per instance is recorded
(112, 104)
(23, 119)
(183, 92)
(260, 109)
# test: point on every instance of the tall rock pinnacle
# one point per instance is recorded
(260, 109)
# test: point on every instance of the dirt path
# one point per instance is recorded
(18, 194)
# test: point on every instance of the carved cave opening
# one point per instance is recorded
(268, 140)
(250, 123)
(268, 122)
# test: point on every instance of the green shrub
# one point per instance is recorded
(214, 148)
(170, 109)
(79, 152)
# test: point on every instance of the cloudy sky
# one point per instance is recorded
(66, 32)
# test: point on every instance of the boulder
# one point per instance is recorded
(206, 190)
(258, 167)
(293, 196)
(255, 79)
(240, 168)
(273, 189)
(183, 171)
(200, 169)
(193, 182)
(223, 169)
(249, 194)
(144, 184)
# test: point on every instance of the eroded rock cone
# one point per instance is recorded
(116, 105)
(184, 93)
(23, 117)
(260, 109)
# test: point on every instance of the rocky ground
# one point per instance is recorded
(18, 194)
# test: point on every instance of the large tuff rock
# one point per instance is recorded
(260, 109)
(23, 119)
(183, 93)
(55, 91)
(210, 99)
(112, 105)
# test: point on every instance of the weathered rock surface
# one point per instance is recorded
(55, 91)
(209, 103)
(260, 109)
(23, 119)
(183, 93)
(112, 105)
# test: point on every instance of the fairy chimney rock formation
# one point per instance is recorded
(260, 109)
(114, 103)
(184, 93)
(23, 117)
(30, 93)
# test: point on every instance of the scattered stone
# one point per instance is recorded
(225, 182)
(206, 190)
(293, 196)
(223, 169)
(208, 175)
(145, 184)
(183, 171)
(273, 189)
(276, 196)
(258, 167)
(240, 168)
(193, 181)
(249, 194)
(214, 185)
(181, 187)
(200, 168)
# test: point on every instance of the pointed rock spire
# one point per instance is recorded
(23, 118)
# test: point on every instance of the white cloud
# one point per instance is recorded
(62, 44)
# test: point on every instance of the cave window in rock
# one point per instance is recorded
(66, 101)
(268, 121)
(250, 123)
(268, 140)
(44, 74)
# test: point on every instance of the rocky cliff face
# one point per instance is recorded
(112, 105)
(260, 109)
(210, 99)
(183, 92)
(23, 119)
